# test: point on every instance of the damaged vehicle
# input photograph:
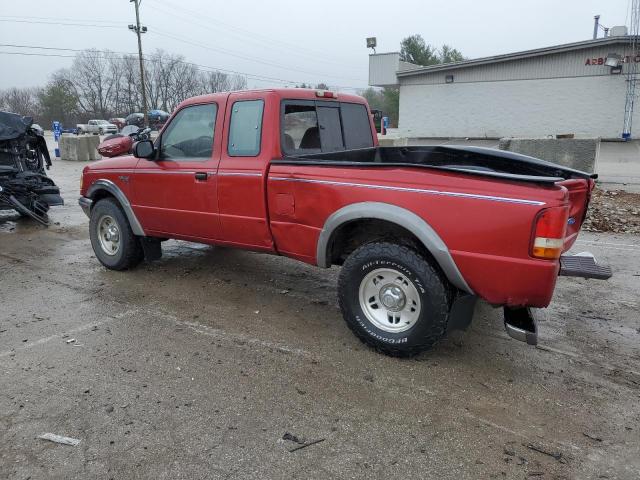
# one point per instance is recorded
(24, 159)
(421, 233)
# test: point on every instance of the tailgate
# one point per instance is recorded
(579, 191)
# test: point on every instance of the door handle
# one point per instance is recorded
(201, 175)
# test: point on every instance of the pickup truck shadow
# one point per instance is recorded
(295, 303)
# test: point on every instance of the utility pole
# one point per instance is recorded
(631, 68)
(139, 31)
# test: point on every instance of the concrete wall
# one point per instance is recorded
(580, 154)
(585, 106)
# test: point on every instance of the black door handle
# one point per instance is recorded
(201, 175)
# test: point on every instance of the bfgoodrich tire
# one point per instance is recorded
(393, 299)
(113, 242)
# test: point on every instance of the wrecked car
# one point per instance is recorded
(24, 159)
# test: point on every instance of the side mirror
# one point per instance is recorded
(144, 149)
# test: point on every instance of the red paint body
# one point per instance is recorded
(240, 204)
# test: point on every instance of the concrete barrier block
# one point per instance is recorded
(69, 147)
(389, 141)
(577, 153)
(81, 148)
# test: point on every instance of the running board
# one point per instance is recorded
(583, 265)
(520, 324)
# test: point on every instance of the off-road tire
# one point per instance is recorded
(130, 251)
(434, 291)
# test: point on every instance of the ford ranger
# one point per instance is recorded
(420, 232)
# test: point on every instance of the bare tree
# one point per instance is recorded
(23, 101)
(103, 84)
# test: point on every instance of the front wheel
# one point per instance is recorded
(393, 299)
(113, 242)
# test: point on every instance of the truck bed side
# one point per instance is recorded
(485, 223)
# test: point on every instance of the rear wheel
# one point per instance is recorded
(393, 299)
(113, 242)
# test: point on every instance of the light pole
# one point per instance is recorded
(139, 31)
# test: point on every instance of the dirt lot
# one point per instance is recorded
(615, 211)
(197, 365)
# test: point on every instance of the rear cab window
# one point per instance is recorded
(310, 126)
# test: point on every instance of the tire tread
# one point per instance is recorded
(435, 283)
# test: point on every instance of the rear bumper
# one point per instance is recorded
(85, 203)
(583, 265)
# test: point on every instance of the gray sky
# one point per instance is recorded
(292, 41)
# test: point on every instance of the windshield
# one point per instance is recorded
(102, 122)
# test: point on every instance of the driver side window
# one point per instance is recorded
(189, 136)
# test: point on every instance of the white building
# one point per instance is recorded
(564, 89)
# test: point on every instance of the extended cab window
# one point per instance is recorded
(190, 133)
(245, 128)
(318, 126)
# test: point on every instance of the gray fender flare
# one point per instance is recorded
(400, 216)
(113, 189)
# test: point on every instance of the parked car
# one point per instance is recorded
(157, 119)
(118, 122)
(136, 119)
(421, 232)
(97, 127)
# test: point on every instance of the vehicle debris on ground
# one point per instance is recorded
(24, 159)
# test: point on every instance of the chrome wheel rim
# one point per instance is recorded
(389, 300)
(108, 235)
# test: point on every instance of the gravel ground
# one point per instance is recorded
(615, 211)
(211, 363)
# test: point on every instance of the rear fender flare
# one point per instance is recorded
(400, 216)
(112, 188)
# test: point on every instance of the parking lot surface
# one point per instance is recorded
(197, 366)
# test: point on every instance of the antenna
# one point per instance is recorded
(632, 69)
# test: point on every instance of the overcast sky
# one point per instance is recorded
(289, 41)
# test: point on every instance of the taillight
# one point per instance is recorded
(550, 230)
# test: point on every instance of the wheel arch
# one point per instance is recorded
(395, 215)
(103, 188)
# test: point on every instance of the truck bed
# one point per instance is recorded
(463, 159)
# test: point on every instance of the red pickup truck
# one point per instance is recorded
(420, 232)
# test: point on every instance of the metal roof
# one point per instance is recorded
(515, 55)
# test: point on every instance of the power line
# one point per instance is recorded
(153, 59)
(113, 22)
(244, 57)
(251, 37)
(187, 41)
(200, 14)
(62, 23)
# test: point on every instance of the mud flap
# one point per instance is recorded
(461, 312)
(152, 248)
